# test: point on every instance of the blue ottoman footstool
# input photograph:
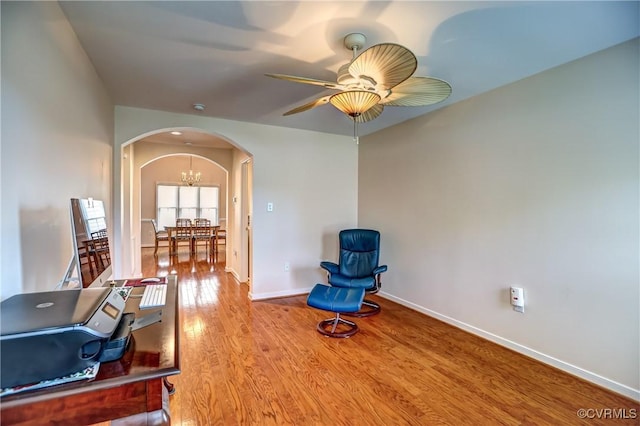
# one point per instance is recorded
(337, 300)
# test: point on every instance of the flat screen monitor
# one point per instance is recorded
(92, 254)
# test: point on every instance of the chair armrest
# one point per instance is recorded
(331, 267)
(380, 269)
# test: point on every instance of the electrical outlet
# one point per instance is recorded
(287, 267)
(517, 299)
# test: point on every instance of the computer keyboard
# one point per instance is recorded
(154, 296)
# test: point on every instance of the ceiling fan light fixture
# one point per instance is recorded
(354, 102)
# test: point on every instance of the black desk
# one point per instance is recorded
(132, 387)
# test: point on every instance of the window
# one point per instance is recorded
(191, 202)
(94, 214)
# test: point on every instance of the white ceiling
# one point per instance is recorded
(169, 55)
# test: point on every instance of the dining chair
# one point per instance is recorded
(202, 233)
(160, 235)
(97, 249)
(103, 257)
(89, 252)
(221, 238)
(85, 260)
(182, 233)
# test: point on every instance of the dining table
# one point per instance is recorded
(211, 229)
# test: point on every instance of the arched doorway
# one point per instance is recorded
(154, 146)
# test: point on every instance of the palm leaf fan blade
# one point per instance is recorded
(370, 114)
(418, 91)
(305, 80)
(308, 106)
(387, 64)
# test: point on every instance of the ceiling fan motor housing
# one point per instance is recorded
(361, 82)
(354, 40)
(344, 77)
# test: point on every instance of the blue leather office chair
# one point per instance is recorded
(358, 266)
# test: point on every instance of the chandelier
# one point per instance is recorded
(190, 177)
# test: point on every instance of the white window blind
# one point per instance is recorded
(94, 214)
(189, 202)
(209, 196)
(167, 202)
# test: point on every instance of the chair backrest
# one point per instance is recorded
(183, 229)
(202, 228)
(155, 225)
(99, 234)
(101, 244)
(183, 222)
(359, 252)
(202, 222)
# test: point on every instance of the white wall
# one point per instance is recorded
(534, 184)
(310, 177)
(57, 131)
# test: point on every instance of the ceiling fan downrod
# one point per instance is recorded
(354, 42)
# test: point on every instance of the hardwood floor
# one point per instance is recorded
(264, 363)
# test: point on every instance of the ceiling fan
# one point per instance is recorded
(380, 76)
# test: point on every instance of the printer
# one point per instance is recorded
(47, 335)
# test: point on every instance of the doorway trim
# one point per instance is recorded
(246, 214)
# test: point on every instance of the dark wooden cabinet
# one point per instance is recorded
(134, 388)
